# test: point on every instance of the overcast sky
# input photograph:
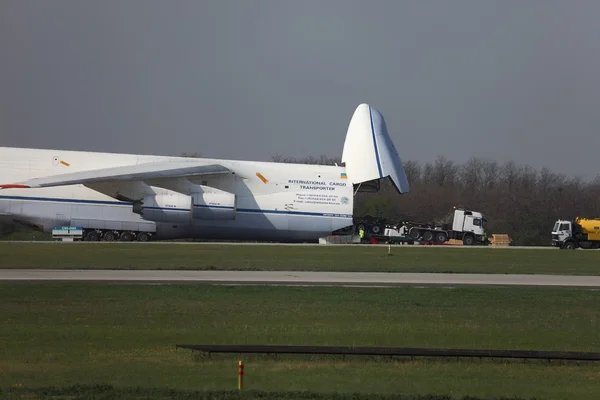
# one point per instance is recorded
(246, 79)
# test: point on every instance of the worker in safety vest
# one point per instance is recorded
(361, 233)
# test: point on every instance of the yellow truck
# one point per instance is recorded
(580, 233)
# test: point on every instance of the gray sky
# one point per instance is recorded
(246, 79)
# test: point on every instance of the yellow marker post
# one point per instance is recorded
(240, 375)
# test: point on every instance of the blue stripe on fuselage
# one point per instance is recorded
(125, 203)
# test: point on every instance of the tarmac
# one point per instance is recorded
(301, 278)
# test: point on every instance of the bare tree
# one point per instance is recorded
(472, 174)
(190, 155)
(491, 173)
(413, 171)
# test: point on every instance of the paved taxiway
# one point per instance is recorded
(298, 278)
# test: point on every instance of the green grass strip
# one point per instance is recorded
(108, 391)
(298, 258)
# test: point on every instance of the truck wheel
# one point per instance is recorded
(569, 246)
(414, 234)
(468, 240)
(441, 237)
(109, 237)
(143, 237)
(428, 236)
(92, 236)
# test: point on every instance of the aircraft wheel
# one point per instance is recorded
(126, 237)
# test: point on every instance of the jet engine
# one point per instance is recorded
(214, 206)
(180, 208)
(165, 208)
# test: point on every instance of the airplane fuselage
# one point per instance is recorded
(128, 195)
(275, 201)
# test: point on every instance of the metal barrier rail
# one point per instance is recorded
(395, 351)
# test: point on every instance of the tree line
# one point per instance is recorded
(516, 199)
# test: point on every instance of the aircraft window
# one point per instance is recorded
(287, 187)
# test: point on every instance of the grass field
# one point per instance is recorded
(81, 392)
(122, 335)
(309, 258)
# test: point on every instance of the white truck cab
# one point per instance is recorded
(561, 231)
(468, 221)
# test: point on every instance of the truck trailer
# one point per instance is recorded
(467, 226)
(578, 233)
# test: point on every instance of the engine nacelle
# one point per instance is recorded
(165, 208)
(180, 208)
(214, 206)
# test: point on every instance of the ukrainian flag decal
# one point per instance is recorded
(343, 175)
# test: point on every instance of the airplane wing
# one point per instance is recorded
(126, 175)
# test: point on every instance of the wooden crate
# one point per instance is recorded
(500, 239)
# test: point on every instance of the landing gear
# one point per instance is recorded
(93, 235)
(126, 237)
(143, 237)
(109, 236)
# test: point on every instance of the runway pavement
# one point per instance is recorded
(372, 279)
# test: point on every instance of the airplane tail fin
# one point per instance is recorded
(369, 153)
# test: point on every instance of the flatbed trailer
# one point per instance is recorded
(467, 226)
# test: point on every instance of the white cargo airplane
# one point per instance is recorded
(138, 197)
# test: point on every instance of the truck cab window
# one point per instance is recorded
(477, 222)
(564, 227)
